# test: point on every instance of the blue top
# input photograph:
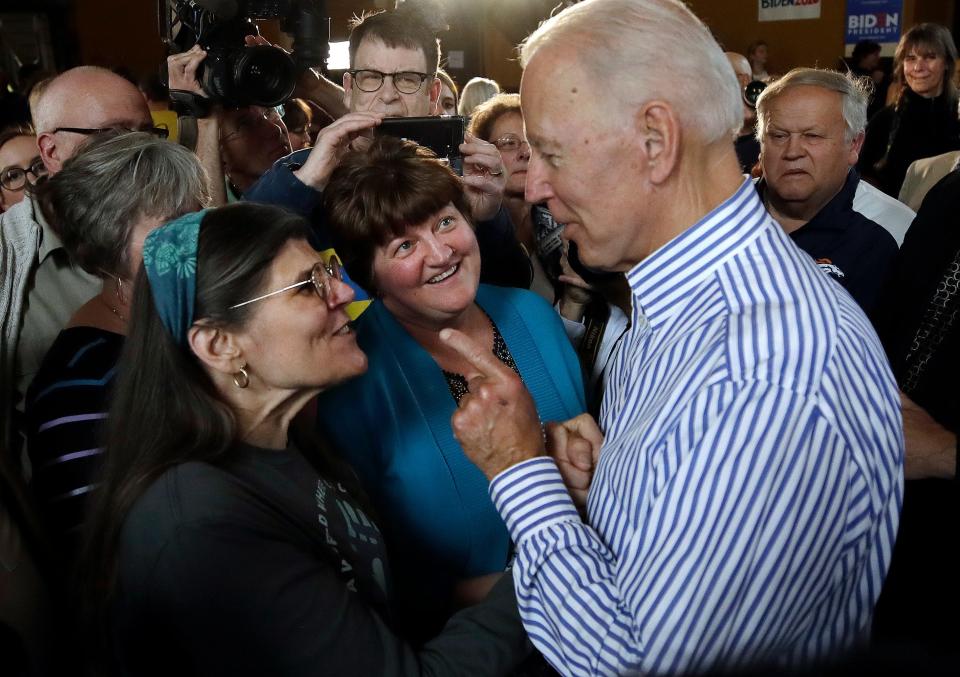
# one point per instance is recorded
(393, 425)
(747, 496)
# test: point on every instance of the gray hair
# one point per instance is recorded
(855, 93)
(112, 183)
(475, 92)
(629, 38)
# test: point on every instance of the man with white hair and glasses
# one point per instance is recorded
(810, 126)
(743, 496)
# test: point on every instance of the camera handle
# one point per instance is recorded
(189, 107)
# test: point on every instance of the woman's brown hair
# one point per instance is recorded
(485, 115)
(938, 40)
(376, 194)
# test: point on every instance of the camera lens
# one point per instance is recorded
(263, 76)
(752, 92)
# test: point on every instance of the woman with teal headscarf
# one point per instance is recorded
(221, 541)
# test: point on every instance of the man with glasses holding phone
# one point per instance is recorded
(40, 288)
(394, 58)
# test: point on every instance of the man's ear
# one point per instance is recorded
(216, 348)
(347, 89)
(658, 128)
(855, 147)
(435, 90)
(49, 152)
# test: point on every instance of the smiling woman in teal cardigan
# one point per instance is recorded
(414, 248)
(393, 425)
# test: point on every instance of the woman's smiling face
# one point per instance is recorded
(430, 274)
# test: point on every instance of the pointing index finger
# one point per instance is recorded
(481, 360)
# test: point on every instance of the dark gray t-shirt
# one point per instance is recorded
(263, 566)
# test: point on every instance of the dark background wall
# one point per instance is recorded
(124, 32)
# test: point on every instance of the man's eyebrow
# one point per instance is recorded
(541, 143)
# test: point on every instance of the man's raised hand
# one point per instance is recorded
(496, 423)
(331, 145)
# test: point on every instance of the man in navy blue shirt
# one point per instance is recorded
(810, 126)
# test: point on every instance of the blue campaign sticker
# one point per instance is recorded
(876, 20)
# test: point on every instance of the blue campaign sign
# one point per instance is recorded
(877, 20)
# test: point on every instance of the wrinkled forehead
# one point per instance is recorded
(375, 54)
(556, 93)
(107, 104)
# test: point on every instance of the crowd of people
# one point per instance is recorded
(660, 381)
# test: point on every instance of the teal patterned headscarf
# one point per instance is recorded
(170, 259)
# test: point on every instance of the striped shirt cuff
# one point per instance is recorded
(531, 496)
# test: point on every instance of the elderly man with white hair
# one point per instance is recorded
(810, 126)
(747, 480)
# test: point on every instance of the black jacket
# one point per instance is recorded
(921, 595)
(913, 129)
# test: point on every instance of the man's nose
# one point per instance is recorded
(537, 188)
(794, 147)
(388, 90)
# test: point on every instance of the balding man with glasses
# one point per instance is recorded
(40, 288)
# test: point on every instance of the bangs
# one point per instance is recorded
(377, 194)
(924, 47)
(404, 199)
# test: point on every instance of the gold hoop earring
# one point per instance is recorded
(241, 379)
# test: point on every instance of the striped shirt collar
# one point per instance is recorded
(670, 273)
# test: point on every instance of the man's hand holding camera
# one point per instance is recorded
(182, 76)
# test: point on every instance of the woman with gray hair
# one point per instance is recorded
(103, 204)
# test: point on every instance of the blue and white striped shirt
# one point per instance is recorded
(747, 496)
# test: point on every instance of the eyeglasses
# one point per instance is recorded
(406, 82)
(159, 132)
(248, 121)
(16, 178)
(320, 276)
(510, 143)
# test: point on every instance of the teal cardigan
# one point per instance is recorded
(393, 425)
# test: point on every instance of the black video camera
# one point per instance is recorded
(752, 92)
(233, 73)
